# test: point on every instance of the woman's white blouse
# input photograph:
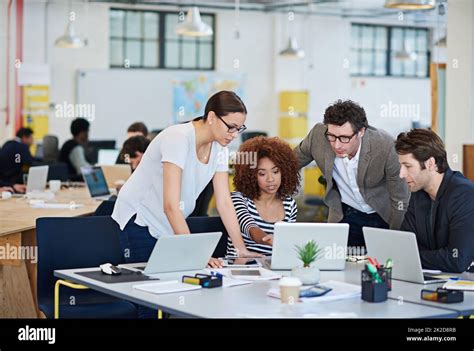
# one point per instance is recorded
(142, 194)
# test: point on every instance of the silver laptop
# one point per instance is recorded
(332, 237)
(95, 182)
(402, 248)
(177, 253)
(37, 177)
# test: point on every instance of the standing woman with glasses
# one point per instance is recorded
(361, 169)
(174, 170)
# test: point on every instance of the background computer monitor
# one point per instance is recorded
(107, 156)
(93, 147)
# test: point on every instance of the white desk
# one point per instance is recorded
(409, 292)
(251, 301)
(404, 291)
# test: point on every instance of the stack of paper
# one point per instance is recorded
(166, 287)
(459, 285)
(340, 291)
(229, 282)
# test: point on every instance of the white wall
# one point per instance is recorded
(324, 72)
(253, 60)
(460, 80)
(91, 22)
(326, 40)
(6, 131)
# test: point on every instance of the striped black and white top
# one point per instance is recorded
(249, 217)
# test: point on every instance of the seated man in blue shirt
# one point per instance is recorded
(15, 157)
(441, 208)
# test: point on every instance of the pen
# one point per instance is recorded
(374, 272)
(373, 261)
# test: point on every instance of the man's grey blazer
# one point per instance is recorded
(377, 176)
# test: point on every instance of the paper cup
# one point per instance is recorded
(290, 290)
(54, 185)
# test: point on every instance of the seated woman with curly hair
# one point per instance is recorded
(264, 193)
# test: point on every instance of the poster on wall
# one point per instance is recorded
(35, 80)
(35, 113)
(191, 92)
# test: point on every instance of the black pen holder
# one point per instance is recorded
(373, 291)
(386, 276)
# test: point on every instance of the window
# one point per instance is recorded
(374, 51)
(147, 39)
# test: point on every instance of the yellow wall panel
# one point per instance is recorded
(292, 127)
(294, 102)
(311, 183)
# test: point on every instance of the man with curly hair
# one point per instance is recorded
(264, 193)
(361, 169)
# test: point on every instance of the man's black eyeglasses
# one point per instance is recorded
(342, 138)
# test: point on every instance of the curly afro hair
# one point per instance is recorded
(281, 154)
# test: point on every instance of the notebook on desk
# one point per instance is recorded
(126, 276)
(167, 287)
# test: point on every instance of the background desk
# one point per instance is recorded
(251, 301)
(17, 228)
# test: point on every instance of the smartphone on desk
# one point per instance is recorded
(241, 262)
(315, 291)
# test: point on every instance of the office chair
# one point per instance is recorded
(81, 242)
(105, 208)
(249, 135)
(50, 148)
(210, 224)
(203, 200)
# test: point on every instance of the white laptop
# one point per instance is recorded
(178, 253)
(332, 237)
(107, 156)
(37, 177)
(402, 248)
(95, 182)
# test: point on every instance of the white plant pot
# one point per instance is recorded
(307, 275)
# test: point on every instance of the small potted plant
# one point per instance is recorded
(308, 254)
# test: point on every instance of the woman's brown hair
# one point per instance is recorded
(223, 103)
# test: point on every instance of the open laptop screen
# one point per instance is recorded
(95, 180)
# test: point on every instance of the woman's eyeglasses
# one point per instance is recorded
(232, 129)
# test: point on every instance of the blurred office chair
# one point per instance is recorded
(50, 148)
(249, 135)
(210, 224)
(105, 208)
(81, 242)
(203, 200)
